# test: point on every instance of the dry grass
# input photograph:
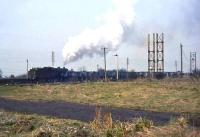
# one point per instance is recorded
(170, 96)
(21, 125)
(139, 127)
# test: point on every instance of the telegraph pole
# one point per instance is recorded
(127, 63)
(190, 63)
(181, 46)
(105, 71)
(176, 65)
(117, 77)
(27, 67)
(97, 67)
(53, 58)
(97, 71)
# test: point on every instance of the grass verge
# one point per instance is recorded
(162, 96)
(21, 125)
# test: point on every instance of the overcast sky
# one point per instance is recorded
(31, 29)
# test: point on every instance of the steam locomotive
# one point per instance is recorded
(49, 74)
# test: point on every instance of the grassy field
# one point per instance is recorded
(21, 125)
(162, 96)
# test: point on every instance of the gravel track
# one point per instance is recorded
(82, 112)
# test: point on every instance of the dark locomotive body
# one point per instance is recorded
(49, 74)
(53, 75)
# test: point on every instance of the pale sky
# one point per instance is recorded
(31, 29)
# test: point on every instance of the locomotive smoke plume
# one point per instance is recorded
(110, 34)
(122, 25)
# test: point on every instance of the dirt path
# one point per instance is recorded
(80, 112)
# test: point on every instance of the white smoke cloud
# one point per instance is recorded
(110, 34)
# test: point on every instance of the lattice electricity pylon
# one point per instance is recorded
(151, 55)
(160, 52)
(193, 63)
(155, 54)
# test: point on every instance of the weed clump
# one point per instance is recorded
(44, 132)
(103, 124)
(143, 124)
(121, 129)
(101, 121)
(83, 132)
(182, 122)
(23, 124)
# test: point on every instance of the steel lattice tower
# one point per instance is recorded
(155, 53)
(193, 63)
(160, 52)
(151, 54)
